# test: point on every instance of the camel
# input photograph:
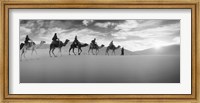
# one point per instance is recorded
(96, 47)
(79, 46)
(113, 48)
(55, 45)
(31, 46)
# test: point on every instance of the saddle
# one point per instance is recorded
(29, 44)
(93, 45)
(112, 46)
(75, 43)
(56, 43)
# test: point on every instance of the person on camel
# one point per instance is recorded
(27, 39)
(111, 43)
(55, 38)
(94, 42)
(76, 42)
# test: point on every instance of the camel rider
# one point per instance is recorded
(94, 42)
(111, 43)
(76, 42)
(55, 38)
(27, 39)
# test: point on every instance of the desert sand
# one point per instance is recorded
(85, 68)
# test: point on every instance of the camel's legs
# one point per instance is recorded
(50, 52)
(89, 51)
(80, 51)
(73, 51)
(32, 52)
(60, 51)
(35, 51)
(97, 51)
(113, 52)
(92, 52)
(21, 57)
(70, 50)
(107, 50)
(53, 52)
(22, 53)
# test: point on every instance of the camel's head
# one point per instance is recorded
(67, 40)
(118, 46)
(85, 44)
(102, 45)
(42, 42)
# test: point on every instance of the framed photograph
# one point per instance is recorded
(100, 51)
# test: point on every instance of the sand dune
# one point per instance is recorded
(165, 50)
(99, 69)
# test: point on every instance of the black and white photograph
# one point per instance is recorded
(99, 51)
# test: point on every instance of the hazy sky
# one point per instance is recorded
(132, 34)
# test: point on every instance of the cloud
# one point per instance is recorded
(127, 25)
(23, 32)
(132, 34)
(87, 22)
(84, 35)
(150, 33)
(105, 25)
(176, 40)
(121, 37)
(137, 45)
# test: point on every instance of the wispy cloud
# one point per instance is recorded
(87, 22)
(149, 32)
(127, 25)
(132, 34)
(105, 25)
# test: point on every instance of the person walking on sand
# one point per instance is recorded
(122, 51)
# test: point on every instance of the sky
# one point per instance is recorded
(133, 35)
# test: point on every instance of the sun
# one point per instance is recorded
(157, 46)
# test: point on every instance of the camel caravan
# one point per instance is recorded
(56, 43)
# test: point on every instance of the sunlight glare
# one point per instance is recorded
(158, 46)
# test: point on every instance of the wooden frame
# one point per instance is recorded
(6, 5)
